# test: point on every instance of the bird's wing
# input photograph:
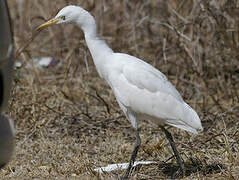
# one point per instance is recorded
(144, 90)
(138, 84)
(145, 76)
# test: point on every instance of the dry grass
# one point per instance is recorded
(63, 126)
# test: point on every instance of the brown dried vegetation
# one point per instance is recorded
(67, 120)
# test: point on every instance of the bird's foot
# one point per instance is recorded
(124, 177)
(127, 173)
(178, 174)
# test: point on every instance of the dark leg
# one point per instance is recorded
(176, 154)
(133, 156)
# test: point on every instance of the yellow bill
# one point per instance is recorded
(48, 23)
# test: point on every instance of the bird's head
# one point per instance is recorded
(69, 14)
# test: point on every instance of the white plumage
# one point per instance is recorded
(141, 90)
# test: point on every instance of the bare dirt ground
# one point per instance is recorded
(67, 120)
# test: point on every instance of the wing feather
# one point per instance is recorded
(145, 76)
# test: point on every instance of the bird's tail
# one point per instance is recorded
(190, 121)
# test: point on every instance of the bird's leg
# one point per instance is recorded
(133, 156)
(175, 151)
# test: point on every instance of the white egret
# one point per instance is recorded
(141, 90)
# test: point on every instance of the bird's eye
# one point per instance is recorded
(63, 17)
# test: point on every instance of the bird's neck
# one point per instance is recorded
(98, 47)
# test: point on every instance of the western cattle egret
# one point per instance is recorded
(141, 90)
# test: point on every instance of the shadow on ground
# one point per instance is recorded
(171, 169)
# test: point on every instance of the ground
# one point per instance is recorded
(67, 120)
